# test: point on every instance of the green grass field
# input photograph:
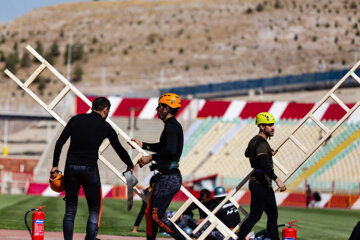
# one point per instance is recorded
(326, 224)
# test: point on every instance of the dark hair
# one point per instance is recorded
(100, 103)
(204, 192)
(173, 111)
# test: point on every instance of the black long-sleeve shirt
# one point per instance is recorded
(87, 132)
(168, 150)
(260, 154)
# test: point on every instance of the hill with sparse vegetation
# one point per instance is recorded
(129, 46)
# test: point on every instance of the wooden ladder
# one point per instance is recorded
(215, 222)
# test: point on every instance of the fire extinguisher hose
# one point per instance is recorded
(27, 226)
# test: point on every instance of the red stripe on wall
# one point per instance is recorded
(184, 104)
(251, 109)
(245, 199)
(214, 109)
(37, 188)
(123, 110)
(339, 201)
(296, 110)
(295, 199)
(81, 106)
(335, 112)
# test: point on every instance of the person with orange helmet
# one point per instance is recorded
(263, 199)
(87, 132)
(165, 161)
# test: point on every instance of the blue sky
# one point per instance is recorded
(10, 9)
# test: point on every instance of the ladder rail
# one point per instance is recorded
(69, 87)
(318, 104)
(323, 139)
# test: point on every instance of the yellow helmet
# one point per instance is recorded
(170, 99)
(58, 183)
(264, 118)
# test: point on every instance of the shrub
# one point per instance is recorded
(259, 7)
(277, 4)
(249, 10)
(353, 5)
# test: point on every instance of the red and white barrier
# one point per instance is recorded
(200, 108)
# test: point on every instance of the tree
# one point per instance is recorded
(11, 61)
(76, 52)
(2, 56)
(54, 49)
(25, 60)
(39, 48)
(78, 72)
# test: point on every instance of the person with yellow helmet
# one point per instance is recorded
(87, 132)
(165, 161)
(263, 199)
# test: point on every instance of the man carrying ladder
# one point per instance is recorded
(167, 156)
(263, 199)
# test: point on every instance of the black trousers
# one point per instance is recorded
(141, 213)
(87, 177)
(165, 189)
(262, 200)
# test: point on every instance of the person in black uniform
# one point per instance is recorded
(209, 203)
(86, 132)
(228, 214)
(260, 184)
(166, 161)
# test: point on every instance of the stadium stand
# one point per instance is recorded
(216, 139)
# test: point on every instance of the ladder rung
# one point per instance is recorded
(298, 143)
(207, 231)
(34, 75)
(237, 205)
(58, 98)
(322, 126)
(338, 100)
(281, 167)
(181, 210)
(356, 77)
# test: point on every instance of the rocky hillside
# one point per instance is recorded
(136, 45)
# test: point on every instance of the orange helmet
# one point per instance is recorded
(58, 183)
(170, 99)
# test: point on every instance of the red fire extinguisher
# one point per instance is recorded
(289, 233)
(38, 221)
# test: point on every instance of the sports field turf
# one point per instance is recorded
(326, 224)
